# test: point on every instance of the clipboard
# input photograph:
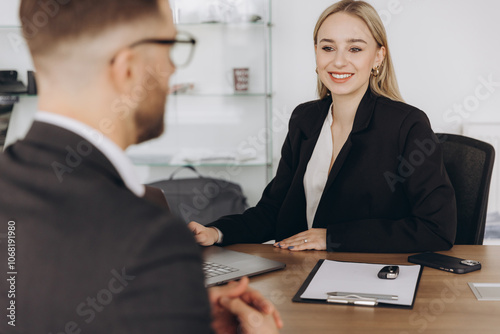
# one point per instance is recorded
(298, 299)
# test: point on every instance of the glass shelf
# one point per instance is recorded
(224, 24)
(23, 95)
(192, 24)
(166, 159)
(203, 164)
(200, 24)
(184, 95)
(201, 95)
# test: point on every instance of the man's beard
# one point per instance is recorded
(149, 118)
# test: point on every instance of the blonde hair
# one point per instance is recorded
(384, 84)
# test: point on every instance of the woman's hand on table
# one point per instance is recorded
(312, 239)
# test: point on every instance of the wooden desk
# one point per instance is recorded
(444, 302)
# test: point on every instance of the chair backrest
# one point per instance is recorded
(469, 163)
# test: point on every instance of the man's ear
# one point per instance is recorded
(123, 73)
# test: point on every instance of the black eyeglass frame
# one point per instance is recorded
(190, 40)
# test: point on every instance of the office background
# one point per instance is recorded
(446, 55)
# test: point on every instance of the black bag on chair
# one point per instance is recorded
(201, 199)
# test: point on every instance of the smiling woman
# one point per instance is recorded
(363, 31)
(346, 54)
(355, 172)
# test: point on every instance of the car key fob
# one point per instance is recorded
(388, 272)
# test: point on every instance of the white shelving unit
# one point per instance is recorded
(15, 56)
(210, 125)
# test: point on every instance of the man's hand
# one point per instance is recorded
(314, 238)
(205, 236)
(236, 306)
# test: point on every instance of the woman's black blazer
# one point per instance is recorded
(388, 190)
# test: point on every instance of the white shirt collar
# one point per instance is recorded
(111, 151)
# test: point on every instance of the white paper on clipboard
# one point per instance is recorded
(362, 278)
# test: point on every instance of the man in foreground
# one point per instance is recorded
(93, 253)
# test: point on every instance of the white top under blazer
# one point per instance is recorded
(318, 169)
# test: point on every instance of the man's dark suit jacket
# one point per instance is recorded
(388, 190)
(90, 255)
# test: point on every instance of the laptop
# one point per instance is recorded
(223, 265)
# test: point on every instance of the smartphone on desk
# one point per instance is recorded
(444, 262)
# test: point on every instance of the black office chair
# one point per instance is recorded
(469, 163)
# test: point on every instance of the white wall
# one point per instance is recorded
(8, 12)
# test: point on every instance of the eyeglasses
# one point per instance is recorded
(181, 50)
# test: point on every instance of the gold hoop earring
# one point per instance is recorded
(376, 71)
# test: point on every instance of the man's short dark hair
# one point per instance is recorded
(46, 23)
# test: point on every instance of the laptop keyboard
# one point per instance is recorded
(212, 269)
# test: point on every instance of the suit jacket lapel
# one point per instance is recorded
(293, 218)
(311, 129)
(339, 162)
(361, 122)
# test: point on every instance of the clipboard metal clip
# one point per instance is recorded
(351, 300)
